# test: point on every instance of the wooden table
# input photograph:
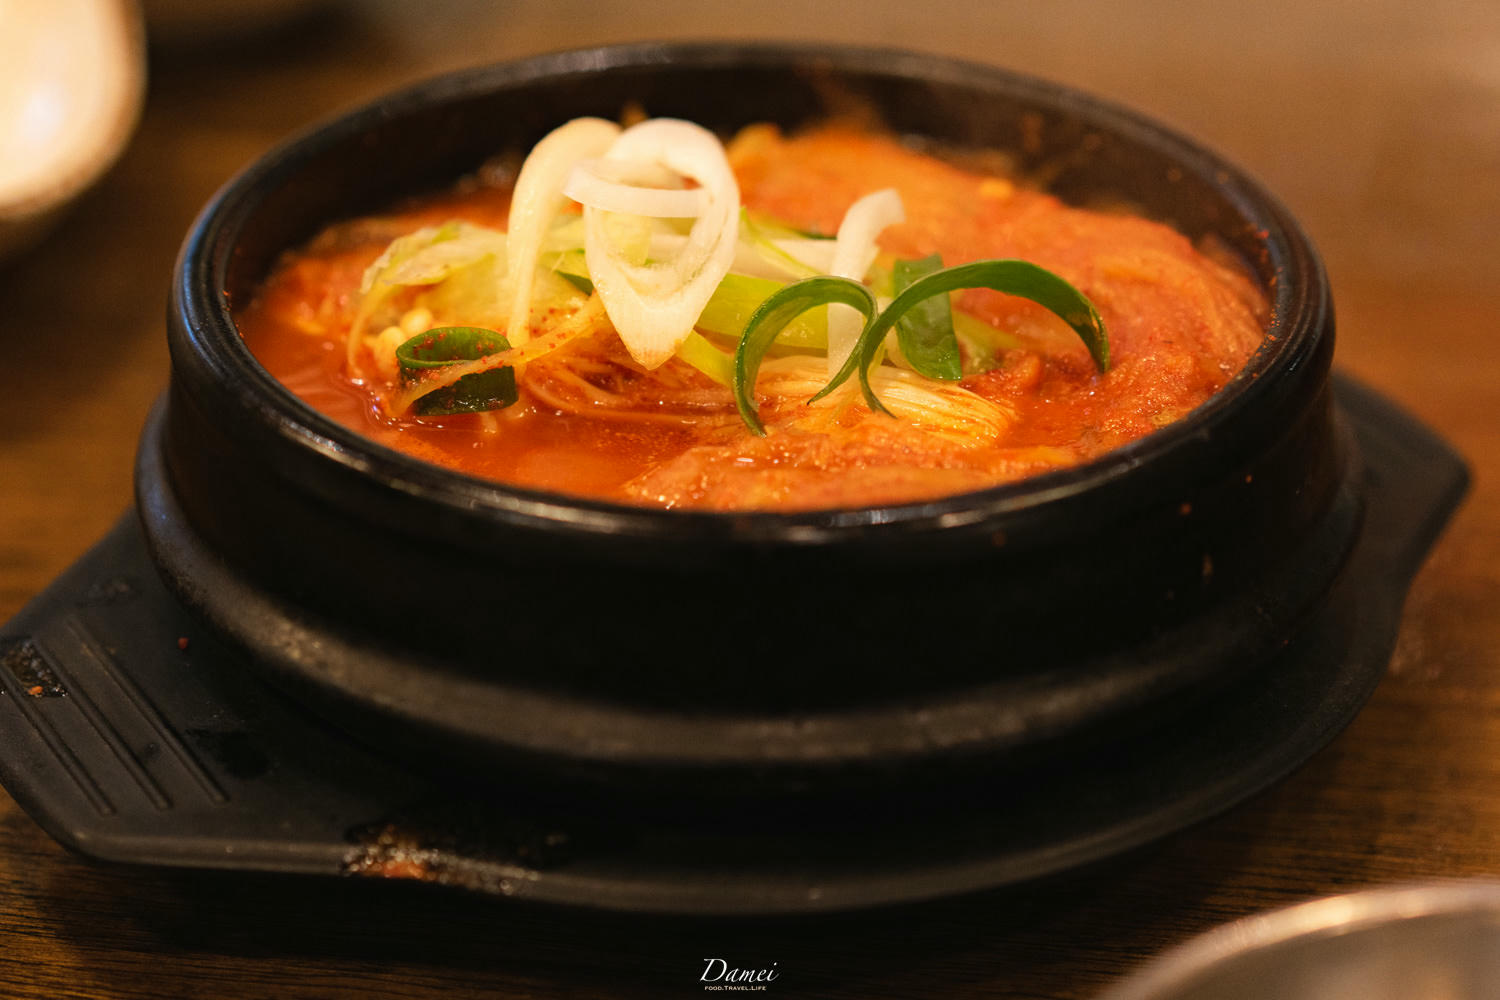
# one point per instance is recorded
(1381, 128)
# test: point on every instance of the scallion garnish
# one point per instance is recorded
(925, 333)
(446, 345)
(779, 309)
(571, 266)
(1014, 277)
(738, 297)
(578, 281)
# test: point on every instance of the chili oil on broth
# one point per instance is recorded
(591, 422)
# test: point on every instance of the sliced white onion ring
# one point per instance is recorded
(654, 305)
(537, 198)
(590, 185)
(854, 251)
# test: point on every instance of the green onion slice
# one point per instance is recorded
(926, 331)
(571, 267)
(578, 281)
(445, 345)
(1013, 277)
(738, 296)
(708, 359)
(778, 310)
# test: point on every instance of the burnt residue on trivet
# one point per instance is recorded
(466, 844)
(23, 661)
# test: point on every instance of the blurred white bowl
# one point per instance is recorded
(1434, 942)
(72, 77)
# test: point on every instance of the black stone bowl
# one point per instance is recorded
(515, 632)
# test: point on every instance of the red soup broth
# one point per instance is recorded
(1181, 322)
